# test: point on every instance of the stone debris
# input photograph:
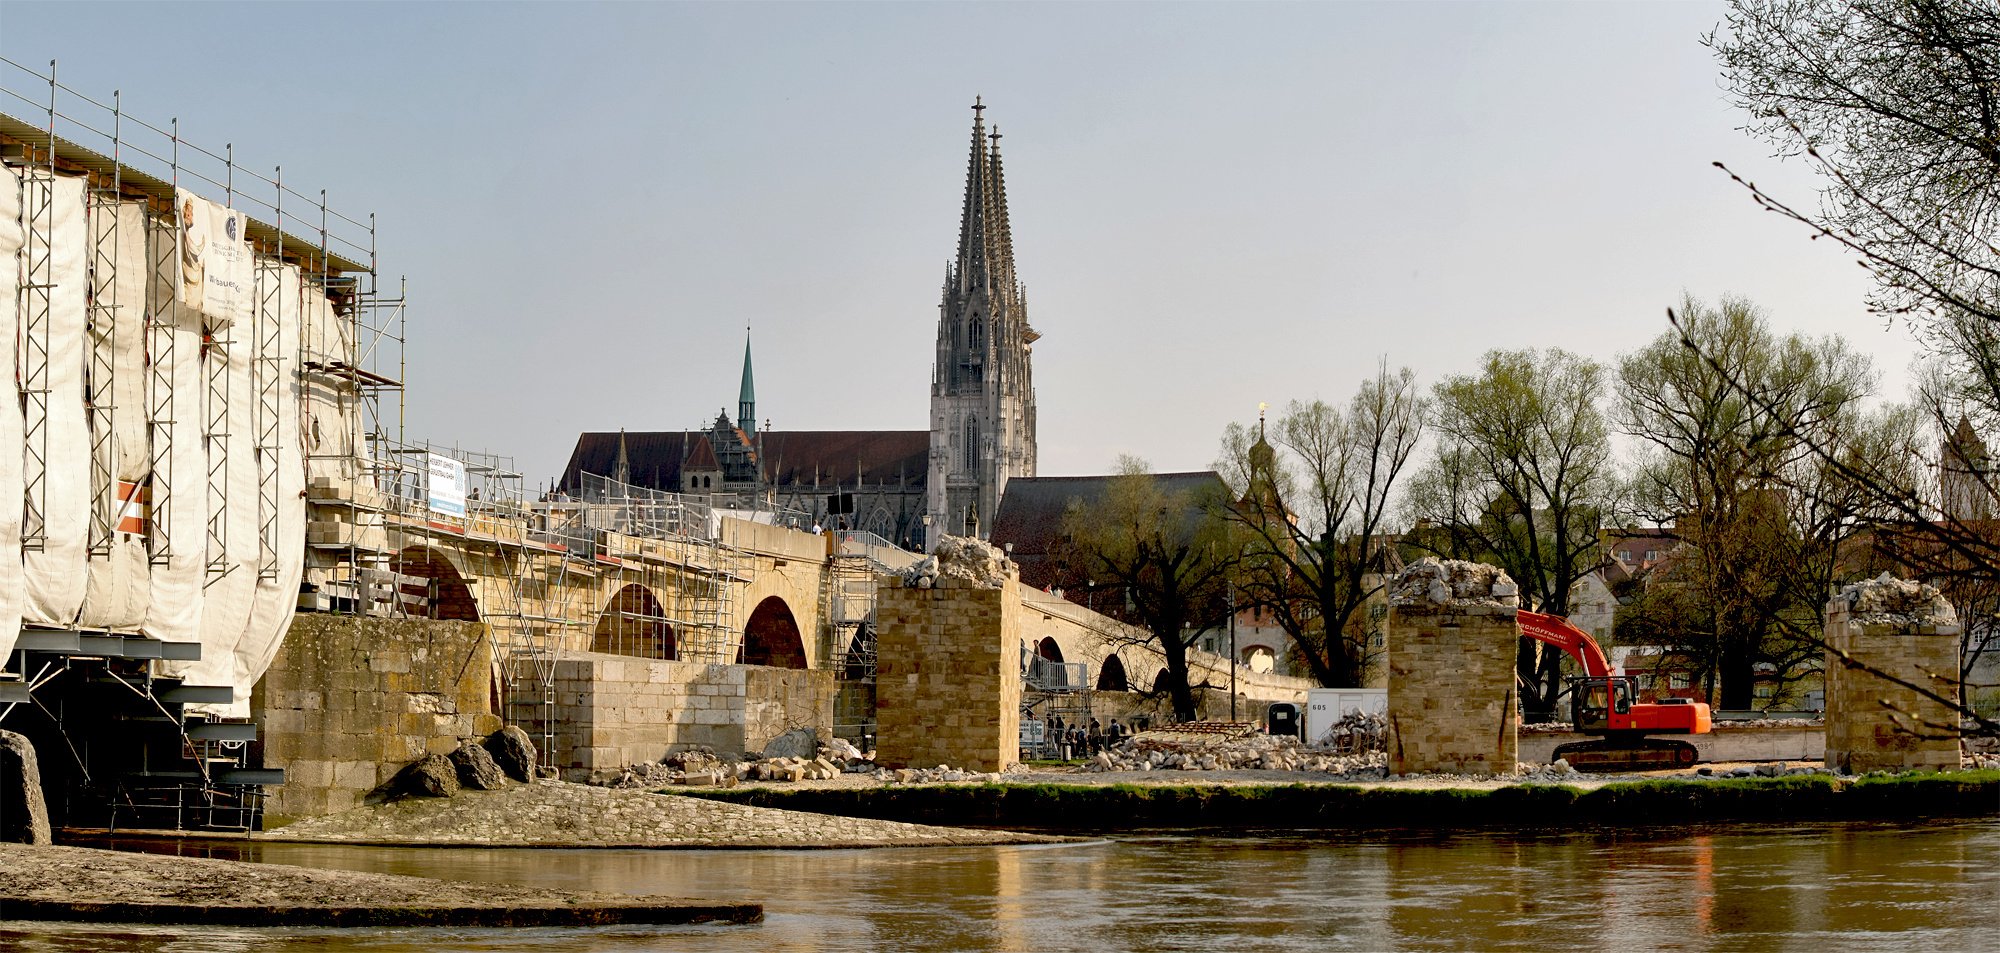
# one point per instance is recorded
(976, 562)
(1357, 731)
(946, 774)
(1887, 600)
(700, 765)
(1732, 724)
(1431, 582)
(1768, 769)
(1359, 756)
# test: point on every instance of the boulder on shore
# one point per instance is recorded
(476, 768)
(433, 775)
(514, 752)
(24, 815)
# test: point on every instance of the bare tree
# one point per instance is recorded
(1522, 477)
(1169, 553)
(1316, 509)
(1894, 103)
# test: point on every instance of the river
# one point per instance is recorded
(1819, 888)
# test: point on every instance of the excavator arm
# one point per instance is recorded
(1556, 630)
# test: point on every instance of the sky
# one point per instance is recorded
(1213, 205)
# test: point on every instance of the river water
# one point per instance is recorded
(1818, 888)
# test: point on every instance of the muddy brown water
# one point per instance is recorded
(1818, 888)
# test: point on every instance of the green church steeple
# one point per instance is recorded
(746, 401)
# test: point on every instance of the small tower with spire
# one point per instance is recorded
(982, 386)
(746, 398)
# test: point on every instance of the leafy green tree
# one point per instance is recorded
(1522, 477)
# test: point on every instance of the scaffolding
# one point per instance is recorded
(136, 745)
(671, 544)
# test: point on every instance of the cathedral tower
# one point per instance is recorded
(982, 388)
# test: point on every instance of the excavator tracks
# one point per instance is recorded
(1613, 756)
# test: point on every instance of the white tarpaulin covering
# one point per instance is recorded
(331, 424)
(232, 574)
(180, 492)
(56, 572)
(118, 588)
(217, 272)
(276, 599)
(11, 239)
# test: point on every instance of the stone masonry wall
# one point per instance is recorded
(613, 710)
(1906, 630)
(350, 700)
(1452, 645)
(948, 684)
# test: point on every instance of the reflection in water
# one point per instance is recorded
(1811, 888)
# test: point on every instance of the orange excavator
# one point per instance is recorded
(1606, 705)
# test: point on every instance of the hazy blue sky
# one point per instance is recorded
(1213, 205)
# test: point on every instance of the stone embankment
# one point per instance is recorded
(559, 814)
(81, 884)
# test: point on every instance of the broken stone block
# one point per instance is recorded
(477, 768)
(514, 752)
(796, 743)
(24, 815)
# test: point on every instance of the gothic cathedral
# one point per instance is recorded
(982, 387)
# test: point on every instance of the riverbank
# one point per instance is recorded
(558, 814)
(1103, 808)
(102, 886)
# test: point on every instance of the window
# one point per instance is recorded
(1679, 680)
(969, 447)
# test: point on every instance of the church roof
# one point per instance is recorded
(838, 456)
(790, 458)
(1031, 511)
(748, 393)
(701, 456)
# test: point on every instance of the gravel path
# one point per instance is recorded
(79, 883)
(555, 814)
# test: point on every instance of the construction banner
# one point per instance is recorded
(216, 269)
(447, 485)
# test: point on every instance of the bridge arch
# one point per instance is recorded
(1048, 649)
(447, 596)
(634, 623)
(1111, 675)
(771, 637)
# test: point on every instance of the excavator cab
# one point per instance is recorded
(1596, 701)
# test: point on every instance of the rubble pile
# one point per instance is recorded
(1355, 732)
(1255, 752)
(941, 773)
(701, 765)
(1452, 582)
(962, 558)
(1887, 600)
(1768, 769)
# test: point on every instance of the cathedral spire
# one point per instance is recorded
(746, 399)
(982, 387)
